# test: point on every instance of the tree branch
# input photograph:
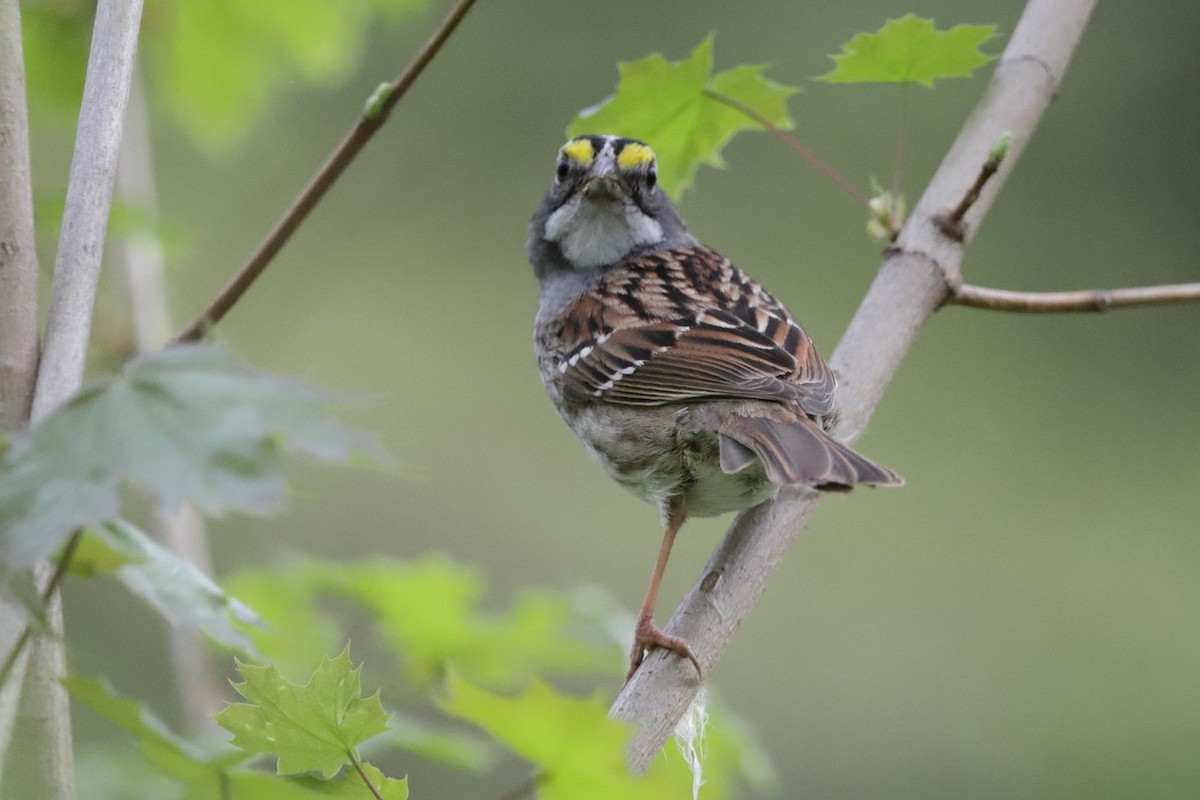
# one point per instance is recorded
(43, 723)
(18, 301)
(18, 254)
(376, 112)
(964, 294)
(912, 282)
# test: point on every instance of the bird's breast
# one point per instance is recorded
(655, 453)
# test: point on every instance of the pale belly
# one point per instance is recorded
(656, 455)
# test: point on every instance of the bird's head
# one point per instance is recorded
(603, 206)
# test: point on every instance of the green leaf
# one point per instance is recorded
(911, 50)
(168, 752)
(190, 422)
(316, 726)
(580, 752)
(429, 611)
(243, 785)
(665, 105)
(172, 586)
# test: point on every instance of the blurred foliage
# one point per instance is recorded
(188, 423)
(215, 64)
(427, 612)
(319, 725)
(172, 586)
(174, 756)
(579, 751)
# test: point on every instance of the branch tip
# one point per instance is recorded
(1081, 300)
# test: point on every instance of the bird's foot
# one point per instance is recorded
(647, 636)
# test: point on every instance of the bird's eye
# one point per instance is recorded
(564, 169)
(652, 178)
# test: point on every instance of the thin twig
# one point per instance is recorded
(901, 140)
(363, 774)
(794, 143)
(60, 569)
(964, 294)
(374, 115)
(952, 224)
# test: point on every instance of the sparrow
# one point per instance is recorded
(686, 381)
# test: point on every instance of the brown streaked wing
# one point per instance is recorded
(717, 356)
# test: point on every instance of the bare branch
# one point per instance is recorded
(18, 256)
(964, 294)
(44, 719)
(89, 197)
(910, 285)
(374, 115)
(18, 303)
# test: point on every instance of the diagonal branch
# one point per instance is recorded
(912, 282)
(964, 294)
(378, 107)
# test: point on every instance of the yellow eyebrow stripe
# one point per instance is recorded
(579, 150)
(635, 155)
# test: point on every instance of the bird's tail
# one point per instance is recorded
(798, 453)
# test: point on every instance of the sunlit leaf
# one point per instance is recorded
(911, 50)
(186, 423)
(579, 752)
(172, 586)
(316, 726)
(429, 611)
(95, 556)
(665, 104)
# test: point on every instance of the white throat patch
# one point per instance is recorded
(594, 234)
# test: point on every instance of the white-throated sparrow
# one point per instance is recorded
(687, 382)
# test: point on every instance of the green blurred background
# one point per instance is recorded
(1021, 620)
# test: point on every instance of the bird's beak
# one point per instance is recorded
(605, 181)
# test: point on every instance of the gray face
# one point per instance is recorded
(603, 206)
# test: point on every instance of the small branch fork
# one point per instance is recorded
(1095, 300)
(376, 112)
